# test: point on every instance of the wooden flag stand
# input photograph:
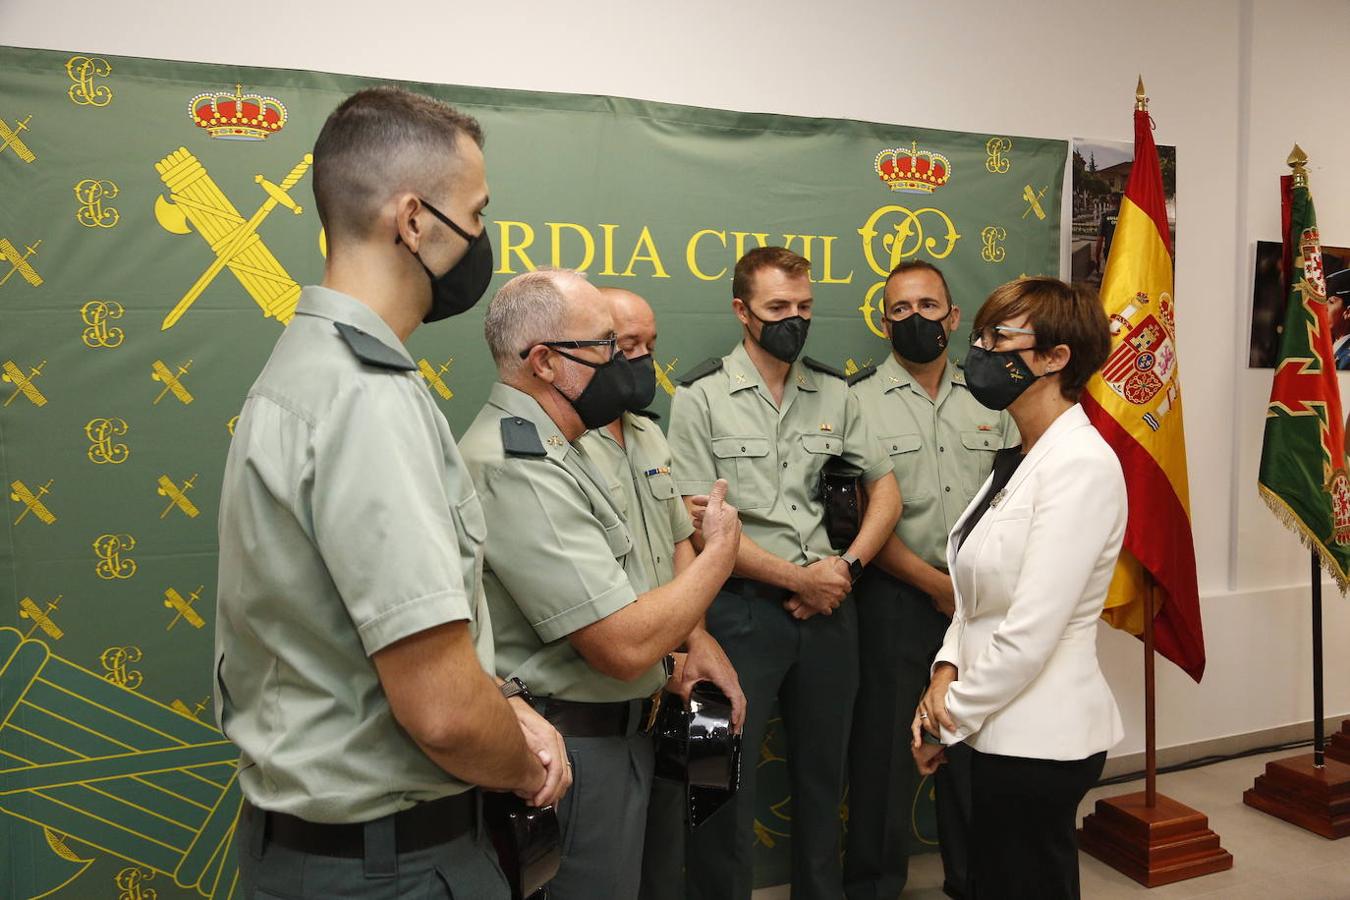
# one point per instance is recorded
(1310, 791)
(1338, 748)
(1146, 835)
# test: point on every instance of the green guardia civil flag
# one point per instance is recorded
(1303, 477)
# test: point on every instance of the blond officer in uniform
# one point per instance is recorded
(942, 443)
(352, 630)
(768, 424)
(576, 621)
(633, 452)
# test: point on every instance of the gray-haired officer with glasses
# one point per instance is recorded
(577, 623)
(941, 441)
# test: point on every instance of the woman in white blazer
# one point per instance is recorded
(1017, 677)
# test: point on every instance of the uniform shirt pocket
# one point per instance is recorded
(619, 540)
(981, 447)
(469, 517)
(661, 485)
(906, 460)
(744, 462)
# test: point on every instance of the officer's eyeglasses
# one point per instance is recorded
(611, 342)
(991, 337)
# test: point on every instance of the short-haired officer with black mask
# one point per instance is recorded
(633, 452)
(352, 636)
(942, 443)
(576, 620)
(769, 424)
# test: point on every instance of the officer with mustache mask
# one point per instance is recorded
(941, 441)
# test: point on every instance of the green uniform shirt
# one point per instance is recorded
(347, 522)
(725, 425)
(559, 555)
(942, 449)
(643, 488)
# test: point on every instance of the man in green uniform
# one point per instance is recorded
(768, 424)
(351, 631)
(633, 453)
(942, 443)
(574, 616)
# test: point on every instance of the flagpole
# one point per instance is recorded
(1319, 738)
(1150, 701)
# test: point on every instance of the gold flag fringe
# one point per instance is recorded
(1294, 523)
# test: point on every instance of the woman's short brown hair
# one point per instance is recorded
(1059, 313)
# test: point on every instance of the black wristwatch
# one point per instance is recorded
(514, 687)
(855, 568)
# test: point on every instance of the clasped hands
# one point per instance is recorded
(931, 713)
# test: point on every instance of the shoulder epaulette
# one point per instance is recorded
(862, 374)
(371, 350)
(648, 414)
(702, 370)
(822, 367)
(521, 438)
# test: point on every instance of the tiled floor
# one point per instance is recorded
(1272, 860)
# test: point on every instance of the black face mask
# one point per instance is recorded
(918, 339)
(996, 379)
(784, 338)
(463, 285)
(643, 372)
(606, 396)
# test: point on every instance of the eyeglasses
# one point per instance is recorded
(611, 342)
(990, 337)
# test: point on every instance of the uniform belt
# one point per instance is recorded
(626, 717)
(756, 590)
(416, 828)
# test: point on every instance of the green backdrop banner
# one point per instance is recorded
(156, 221)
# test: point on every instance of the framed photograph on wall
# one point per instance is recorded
(1268, 304)
(1100, 172)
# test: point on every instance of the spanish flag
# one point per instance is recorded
(1135, 402)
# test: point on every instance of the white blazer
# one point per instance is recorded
(1030, 583)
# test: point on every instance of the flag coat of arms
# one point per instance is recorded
(1303, 475)
(1135, 402)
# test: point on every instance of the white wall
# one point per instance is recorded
(1233, 84)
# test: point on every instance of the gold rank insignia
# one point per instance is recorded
(196, 202)
(183, 607)
(19, 262)
(41, 618)
(801, 379)
(177, 496)
(433, 377)
(827, 427)
(23, 384)
(554, 440)
(32, 501)
(9, 139)
(171, 381)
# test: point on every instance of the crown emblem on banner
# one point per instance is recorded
(237, 116)
(913, 170)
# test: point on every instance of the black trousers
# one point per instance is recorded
(899, 632)
(812, 668)
(1024, 813)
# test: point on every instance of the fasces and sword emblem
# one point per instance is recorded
(10, 139)
(195, 202)
(23, 384)
(19, 262)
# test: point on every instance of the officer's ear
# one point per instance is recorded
(741, 309)
(539, 363)
(406, 209)
(955, 314)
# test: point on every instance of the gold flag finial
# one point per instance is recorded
(1140, 98)
(1298, 161)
